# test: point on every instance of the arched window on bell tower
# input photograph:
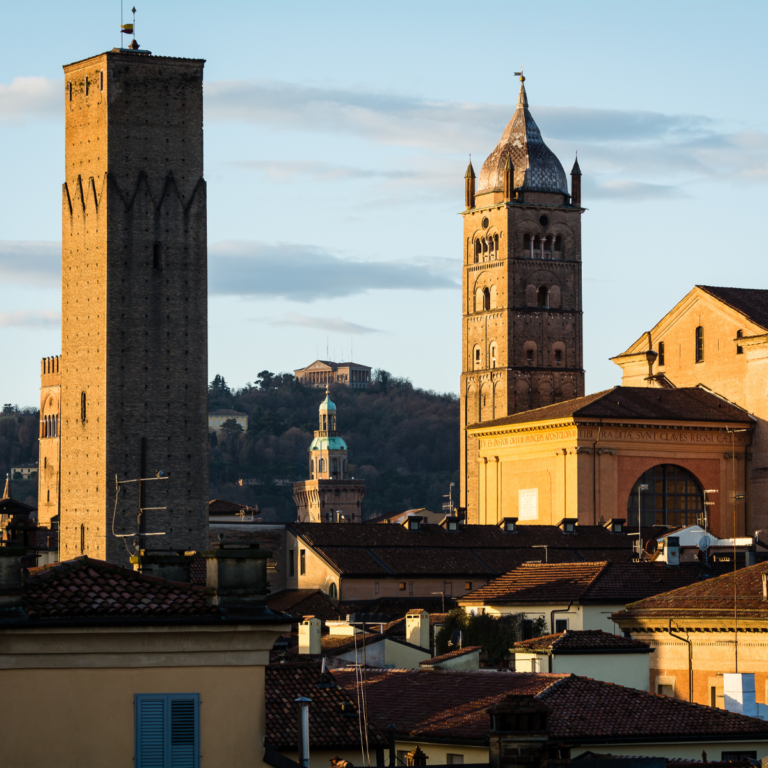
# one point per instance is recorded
(542, 297)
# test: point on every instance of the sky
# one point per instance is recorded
(336, 140)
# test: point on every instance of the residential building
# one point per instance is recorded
(521, 298)
(127, 669)
(702, 631)
(577, 596)
(27, 471)
(128, 397)
(589, 459)
(359, 563)
(334, 724)
(217, 419)
(716, 337)
(448, 716)
(330, 495)
(590, 653)
(323, 373)
(465, 659)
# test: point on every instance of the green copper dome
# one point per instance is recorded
(328, 444)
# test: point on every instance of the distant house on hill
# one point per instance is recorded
(217, 419)
(321, 373)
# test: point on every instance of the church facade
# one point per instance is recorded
(521, 296)
(130, 386)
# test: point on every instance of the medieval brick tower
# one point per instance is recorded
(522, 323)
(134, 305)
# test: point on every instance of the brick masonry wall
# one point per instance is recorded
(511, 385)
(48, 477)
(134, 303)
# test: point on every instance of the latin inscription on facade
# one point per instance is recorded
(528, 504)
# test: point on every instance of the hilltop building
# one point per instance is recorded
(128, 395)
(322, 373)
(522, 315)
(217, 419)
(329, 495)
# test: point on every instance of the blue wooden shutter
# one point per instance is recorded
(167, 730)
(150, 730)
(184, 730)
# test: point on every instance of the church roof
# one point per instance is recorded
(536, 167)
(683, 404)
(751, 302)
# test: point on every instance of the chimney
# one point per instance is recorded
(672, 550)
(469, 186)
(309, 635)
(509, 180)
(416, 757)
(576, 185)
(303, 713)
(237, 577)
(10, 576)
(417, 628)
(739, 693)
(171, 566)
(765, 586)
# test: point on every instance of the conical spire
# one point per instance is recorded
(470, 174)
(522, 97)
(7, 491)
(576, 171)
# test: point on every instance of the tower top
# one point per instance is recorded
(576, 171)
(327, 404)
(470, 174)
(537, 169)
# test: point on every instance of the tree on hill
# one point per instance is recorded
(403, 441)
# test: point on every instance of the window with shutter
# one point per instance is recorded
(167, 730)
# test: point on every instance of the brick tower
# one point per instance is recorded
(49, 459)
(329, 496)
(521, 313)
(134, 305)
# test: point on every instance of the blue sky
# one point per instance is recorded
(336, 138)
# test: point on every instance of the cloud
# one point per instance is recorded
(329, 324)
(289, 171)
(307, 273)
(28, 97)
(23, 319)
(30, 262)
(618, 189)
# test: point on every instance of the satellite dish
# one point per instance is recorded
(704, 543)
(457, 639)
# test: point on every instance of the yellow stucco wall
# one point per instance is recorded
(629, 669)
(84, 717)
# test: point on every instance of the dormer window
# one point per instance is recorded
(509, 525)
(414, 525)
(568, 525)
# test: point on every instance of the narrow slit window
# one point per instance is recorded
(739, 348)
(101, 80)
(661, 353)
(157, 263)
(82, 538)
(700, 344)
(86, 85)
(69, 88)
(83, 407)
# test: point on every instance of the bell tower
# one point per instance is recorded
(521, 288)
(134, 357)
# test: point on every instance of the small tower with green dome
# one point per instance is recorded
(329, 495)
(328, 451)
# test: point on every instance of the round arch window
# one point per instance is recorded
(333, 593)
(486, 223)
(544, 220)
(674, 497)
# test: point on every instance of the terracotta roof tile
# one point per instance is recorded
(709, 599)
(330, 726)
(602, 582)
(304, 602)
(450, 655)
(453, 705)
(683, 404)
(85, 588)
(582, 640)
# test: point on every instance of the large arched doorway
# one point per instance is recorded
(674, 497)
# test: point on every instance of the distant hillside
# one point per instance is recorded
(402, 440)
(19, 428)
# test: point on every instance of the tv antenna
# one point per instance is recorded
(140, 518)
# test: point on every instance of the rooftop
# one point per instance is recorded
(710, 599)
(304, 602)
(583, 641)
(751, 302)
(333, 721)
(450, 706)
(473, 551)
(450, 655)
(650, 403)
(90, 592)
(599, 582)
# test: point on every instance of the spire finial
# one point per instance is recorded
(7, 491)
(522, 97)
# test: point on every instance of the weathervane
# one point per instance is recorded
(128, 29)
(520, 74)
